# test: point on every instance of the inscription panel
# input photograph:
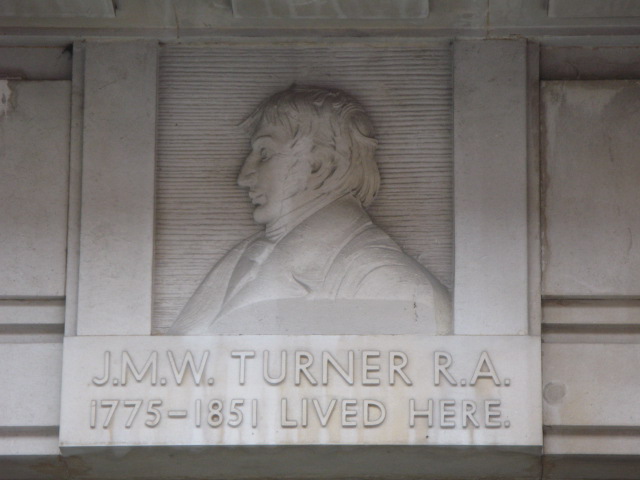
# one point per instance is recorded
(272, 390)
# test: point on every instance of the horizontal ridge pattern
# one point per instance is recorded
(206, 91)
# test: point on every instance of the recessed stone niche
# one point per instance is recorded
(205, 92)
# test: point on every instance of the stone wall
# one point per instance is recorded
(526, 179)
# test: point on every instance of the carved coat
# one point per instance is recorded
(336, 253)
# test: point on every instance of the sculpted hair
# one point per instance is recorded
(342, 134)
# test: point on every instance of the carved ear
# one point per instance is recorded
(322, 168)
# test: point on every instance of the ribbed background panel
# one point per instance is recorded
(206, 91)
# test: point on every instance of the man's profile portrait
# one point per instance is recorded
(320, 265)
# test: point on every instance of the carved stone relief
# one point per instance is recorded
(298, 237)
(310, 173)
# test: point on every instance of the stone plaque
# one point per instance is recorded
(207, 94)
(296, 312)
(309, 176)
(310, 390)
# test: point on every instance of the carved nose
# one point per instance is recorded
(246, 177)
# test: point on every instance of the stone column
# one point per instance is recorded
(490, 187)
(116, 233)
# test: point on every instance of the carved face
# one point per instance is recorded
(276, 172)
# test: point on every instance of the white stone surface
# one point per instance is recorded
(591, 334)
(95, 369)
(30, 377)
(206, 91)
(490, 187)
(211, 20)
(338, 9)
(591, 200)
(591, 385)
(322, 317)
(58, 8)
(24, 442)
(592, 441)
(309, 176)
(593, 8)
(31, 312)
(534, 270)
(592, 312)
(34, 127)
(118, 171)
(75, 190)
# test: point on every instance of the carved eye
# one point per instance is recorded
(264, 155)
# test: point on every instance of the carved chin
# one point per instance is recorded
(261, 214)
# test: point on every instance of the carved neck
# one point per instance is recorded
(276, 230)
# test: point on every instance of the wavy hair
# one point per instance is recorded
(342, 135)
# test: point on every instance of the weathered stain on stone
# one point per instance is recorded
(6, 101)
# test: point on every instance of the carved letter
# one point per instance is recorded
(283, 368)
(305, 412)
(489, 414)
(328, 359)
(178, 374)
(366, 367)
(446, 413)
(254, 413)
(489, 373)
(302, 367)
(441, 368)
(468, 409)
(284, 421)
(242, 356)
(368, 421)
(105, 370)
(413, 413)
(324, 416)
(129, 366)
(397, 368)
(348, 412)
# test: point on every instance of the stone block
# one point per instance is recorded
(118, 172)
(590, 385)
(34, 126)
(338, 9)
(30, 377)
(31, 312)
(36, 63)
(18, 443)
(205, 92)
(54, 8)
(592, 312)
(490, 187)
(244, 390)
(592, 441)
(590, 200)
(593, 9)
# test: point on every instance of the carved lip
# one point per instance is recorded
(257, 198)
